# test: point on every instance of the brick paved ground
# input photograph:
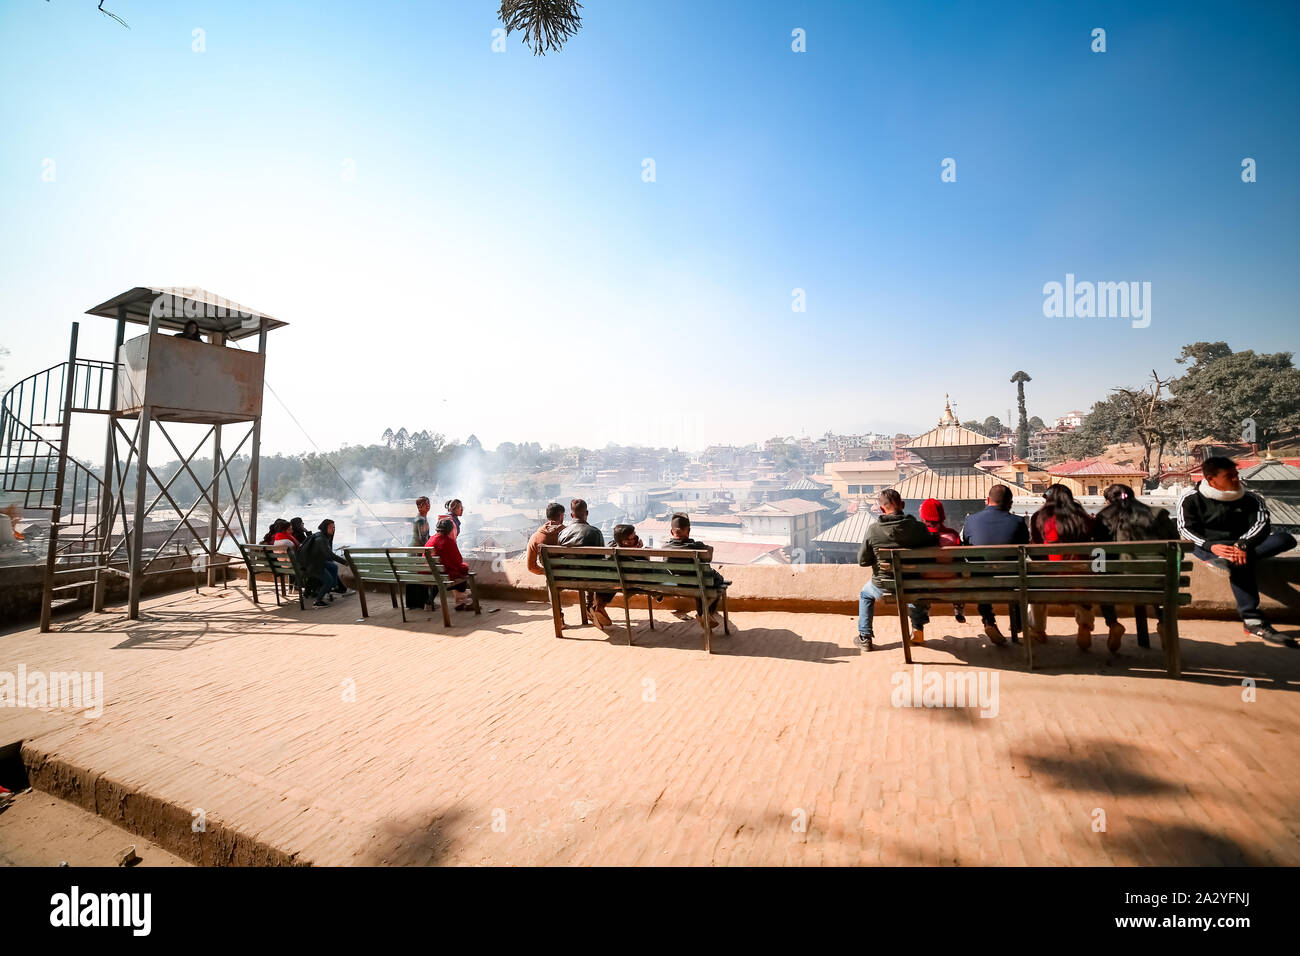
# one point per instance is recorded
(586, 751)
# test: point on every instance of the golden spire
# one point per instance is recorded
(948, 418)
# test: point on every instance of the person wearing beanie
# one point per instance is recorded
(1230, 529)
(933, 516)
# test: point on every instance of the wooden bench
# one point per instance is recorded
(280, 563)
(398, 567)
(1138, 573)
(670, 572)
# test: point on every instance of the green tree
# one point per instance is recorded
(1238, 396)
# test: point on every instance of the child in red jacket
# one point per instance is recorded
(453, 565)
(933, 515)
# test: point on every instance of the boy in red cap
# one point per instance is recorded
(933, 515)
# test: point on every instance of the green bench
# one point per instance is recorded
(280, 563)
(667, 572)
(1138, 573)
(398, 567)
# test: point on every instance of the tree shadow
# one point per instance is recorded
(1146, 842)
(428, 842)
(1105, 765)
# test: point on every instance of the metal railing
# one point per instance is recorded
(29, 461)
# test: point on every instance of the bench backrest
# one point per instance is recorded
(396, 565)
(268, 559)
(657, 569)
(1145, 572)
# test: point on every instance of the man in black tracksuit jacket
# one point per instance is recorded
(1230, 528)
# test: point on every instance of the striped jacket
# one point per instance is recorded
(1206, 521)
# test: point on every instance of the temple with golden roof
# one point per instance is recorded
(949, 452)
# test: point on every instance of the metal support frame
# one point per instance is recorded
(56, 514)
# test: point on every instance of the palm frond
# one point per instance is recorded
(546, 24)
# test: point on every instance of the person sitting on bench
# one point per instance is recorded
(893, 529)
(320, 562)
(453, 565)
(996, 525)
(548, 533)
(680, 529)
(580, 534)
(1231, 530)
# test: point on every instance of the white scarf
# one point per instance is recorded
(1214, 494)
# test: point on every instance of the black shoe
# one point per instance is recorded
(319, 603)
(1265, 631)
(864, 640)
(959, 618)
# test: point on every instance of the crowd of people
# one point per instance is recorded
(581, 534)
(443, 541)
(316, 557)
(1227, 525)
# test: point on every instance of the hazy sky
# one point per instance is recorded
(465, 236)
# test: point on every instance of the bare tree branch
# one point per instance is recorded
(108, 13)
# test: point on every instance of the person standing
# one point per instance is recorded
(417, 595)
(1232, 532)
(893, 529)
(996, 525)
(454, 510)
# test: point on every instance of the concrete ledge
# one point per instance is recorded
(21, 587)
(833, 589)
(146, 815)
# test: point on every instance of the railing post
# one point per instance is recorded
(109, 488)
(56, 513)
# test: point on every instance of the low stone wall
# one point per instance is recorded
(833, 588)
(21, 584)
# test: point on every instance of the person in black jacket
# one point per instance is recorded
(679, 527)
(1230, 528)
(996, 525)
(320, 562)
(893, 529)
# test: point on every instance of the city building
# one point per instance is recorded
(1091, 476)
(861, 479)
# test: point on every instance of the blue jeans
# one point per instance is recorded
(329, 580)
(1241, 577)
(867, 598)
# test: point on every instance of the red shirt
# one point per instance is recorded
(285, 536)
(444, 546)
(1051, 537)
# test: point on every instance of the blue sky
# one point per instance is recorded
(495, 263)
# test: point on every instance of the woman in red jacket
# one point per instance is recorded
(1063, 519)
(443, 543)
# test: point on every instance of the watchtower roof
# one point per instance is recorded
(176, 305)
